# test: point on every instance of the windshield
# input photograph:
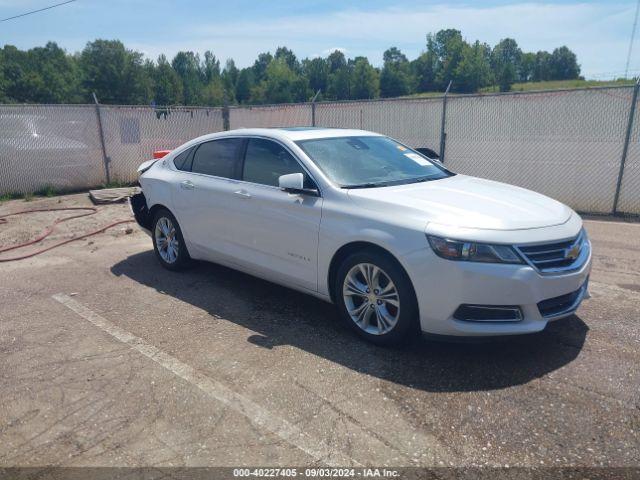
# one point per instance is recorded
(370, 161)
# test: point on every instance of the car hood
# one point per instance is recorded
(466, 202)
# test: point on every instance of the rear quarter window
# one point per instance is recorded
(182, 162)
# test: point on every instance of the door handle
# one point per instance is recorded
(187, 185)
(243, 194)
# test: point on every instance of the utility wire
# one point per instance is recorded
(36, 11)
(633, 34)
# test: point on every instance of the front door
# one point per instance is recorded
(279, 230)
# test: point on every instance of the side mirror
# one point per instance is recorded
(294, 183)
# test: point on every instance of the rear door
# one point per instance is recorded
(277, 231)
(204, 198)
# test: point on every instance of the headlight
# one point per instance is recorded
(473, 252)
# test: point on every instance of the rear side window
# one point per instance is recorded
(217, 157)
(181, 161)
(265, 161)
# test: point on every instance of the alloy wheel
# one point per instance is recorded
(371, 298)
(166, 240)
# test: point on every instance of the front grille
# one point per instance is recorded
(557, 257)
(555, 306)
(488, 313)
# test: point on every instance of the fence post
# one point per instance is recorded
(625, 148)
(443, 134)
(105, 158)
(226, 122)
(313, 108)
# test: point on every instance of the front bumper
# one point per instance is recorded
(442, 286)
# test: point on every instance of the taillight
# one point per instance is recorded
(160, 153)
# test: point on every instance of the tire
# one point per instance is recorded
(176, 258)
(386, 323)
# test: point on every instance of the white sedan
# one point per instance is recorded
(398, 242)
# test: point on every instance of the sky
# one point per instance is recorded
(598, 31)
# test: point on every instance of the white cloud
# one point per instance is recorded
(597, 32)
(329, 51)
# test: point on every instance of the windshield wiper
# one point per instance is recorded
(368, 185)
(389, 183)
(422, 179)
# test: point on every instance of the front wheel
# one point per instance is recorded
(168, 242)
(376, 298)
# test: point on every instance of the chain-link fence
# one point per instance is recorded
(286, 115)
(569, 144)
(53, 145)
(132, 134)
(415, 122)
(60, 146)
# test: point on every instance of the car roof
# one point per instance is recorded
(298, 133)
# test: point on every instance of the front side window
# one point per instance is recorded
(370, 161)
(265, 161)
(217, 157)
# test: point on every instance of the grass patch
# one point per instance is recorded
(117, 184)
(50, 191)
(537, 86)
(5, 197)
(559, 85)
(46, 191)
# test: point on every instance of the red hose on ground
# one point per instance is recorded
(49, 230)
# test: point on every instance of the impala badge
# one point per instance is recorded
(573, 252)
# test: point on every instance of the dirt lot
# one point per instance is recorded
(108, 360)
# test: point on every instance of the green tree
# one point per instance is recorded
(14, 72)
(214, 94)
(474, 69)
(317, 72)
(338, 87)
(336, 60)
(447, 46)
(187, 66)
(282, 85)
(48, 74)
(364, 80)
(564, 64)
(505, 58)
(3, 86)
(542, 68)
(210, 67)
(115, 74)
(283, 53)
(59, 73)
(527, 67)
(244, 84)
(260, 66)
(229, 80)
(395, 77)
(424, 68)
(167, 84)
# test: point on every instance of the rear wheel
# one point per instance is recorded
(168, 242)
(376, 298)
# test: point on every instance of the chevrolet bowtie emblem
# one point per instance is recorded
(573, 252)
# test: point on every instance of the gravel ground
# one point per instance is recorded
(131, 365)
